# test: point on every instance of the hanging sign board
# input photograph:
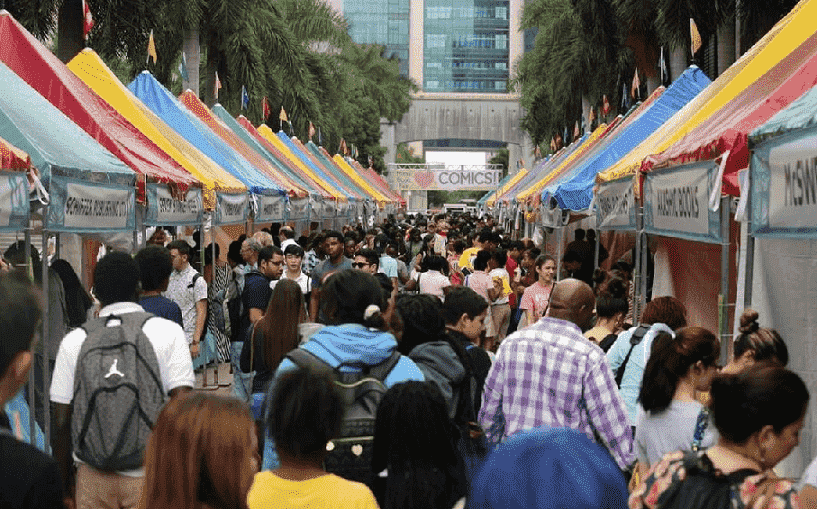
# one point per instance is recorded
(676, 202)
(14, 209)
(271, 209)
(551, 218)
(328, 209)
(231, 208)
(450, 178)
(615, 207)
(784, 186)
(80, 207)
(299, 209)
(163, 209)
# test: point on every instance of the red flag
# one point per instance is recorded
(552, 144)
(343, 149)
(636, 85)
(87, 20)
(265, 109)
(605, 106)
(311, 131)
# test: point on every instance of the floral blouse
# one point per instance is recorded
(664, 485)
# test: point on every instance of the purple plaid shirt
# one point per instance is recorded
(548, 374)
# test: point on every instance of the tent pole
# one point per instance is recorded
(724, 296)
(46, 341)
(32, 398)
(596, 252)
(57, 251)
(639, 218)
(645, 264)
(750, 248)
(559, 254)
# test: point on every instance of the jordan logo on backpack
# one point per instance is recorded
(113, 371)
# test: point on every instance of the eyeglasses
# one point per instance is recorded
(360, 265)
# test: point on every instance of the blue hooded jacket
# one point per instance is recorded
(346, 344)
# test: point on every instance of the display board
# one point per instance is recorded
(163, 209)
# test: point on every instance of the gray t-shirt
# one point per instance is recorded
(659, 433)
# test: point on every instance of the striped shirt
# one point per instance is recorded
(548, 374)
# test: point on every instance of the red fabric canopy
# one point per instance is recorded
(12, 158)
(729, 127)
(44, 72)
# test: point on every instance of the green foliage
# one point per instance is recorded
(405, 155)
(501, 157)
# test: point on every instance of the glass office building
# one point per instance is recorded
(466, 46)
(384, 22)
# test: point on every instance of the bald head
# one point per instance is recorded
(572, 300)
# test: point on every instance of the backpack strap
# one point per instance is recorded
(700, 428)
(307, 360)
(196, 277)
(635, 339)
(381, 371)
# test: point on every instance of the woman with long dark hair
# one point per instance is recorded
(670, 417)
(611, 308)
(77, 299)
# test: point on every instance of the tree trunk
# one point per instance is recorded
(677, 62)
(209, 94)
(652, 84)
(192, 52)
(70, 40)
(726, 45)
(586, 113)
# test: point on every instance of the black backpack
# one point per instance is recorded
(350, 455)
(635, 339)
(118, 393)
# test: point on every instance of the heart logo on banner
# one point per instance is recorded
(424, 179)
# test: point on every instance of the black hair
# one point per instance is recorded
(516, 244)
(459, 246)
(481, 260)
(416, 441)
(459, 300)
(155, 267)
(423, 317)
(22, 310)
(372, 256)
(765, 344)
(181, 245)
(435, 262)
(345, 296)
(670, 360)
(208, 253)
(16, 255)
(612, 299)
(294, 249)
(500, 256)
(267, 253)
(580, 234)
(116, 278)
(234, 252)
(305, 413)
(591, 235)
(287, 232)
(486, 236)
(765, 394)
(333, 234)
(77, 299)
(533, 253)
(571, 256)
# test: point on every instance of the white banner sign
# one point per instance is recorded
(614, 203)
(793, 185)
(678, 199)
(299, 209)
(6, 197)
(328, 209)
(232, 208)
(172, 211)
(449, 179)
(93, 207)
(271, 208)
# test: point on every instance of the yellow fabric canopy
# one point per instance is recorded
(508, 185)
(538, 186)
(92, 70)
(788, 34)
(359, 180)
(268, 135)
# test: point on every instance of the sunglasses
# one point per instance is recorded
(360, 265)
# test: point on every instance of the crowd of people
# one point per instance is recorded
(428, 363)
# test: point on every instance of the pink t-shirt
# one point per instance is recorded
(432, 282)
(536, 299)
(480, 282)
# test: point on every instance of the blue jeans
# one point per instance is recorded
(242, 382)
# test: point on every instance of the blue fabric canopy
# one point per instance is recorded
(177, 116)
(307, 161)
(576, 190)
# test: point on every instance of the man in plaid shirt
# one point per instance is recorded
(548, 374)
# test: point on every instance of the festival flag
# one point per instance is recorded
(605, 108)
(151, 49)
(283, 115)
(694, 37)
(87, 20)
(636, 93)
(245, 98)
(566, 137)
(624, 95)
(559, 141)
(343, 149)
(265, 109)
(577, 133)
(183, 68)
(553, 144)
(311, 131)
(592, 116)
(662, 65)
(537, 152)
(216, 86)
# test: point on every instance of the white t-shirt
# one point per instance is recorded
(303, 281)
(671, 430)
(166, 337)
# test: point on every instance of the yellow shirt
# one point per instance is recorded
(325, 492)
(465, 258)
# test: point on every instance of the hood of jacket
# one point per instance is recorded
(351, 344)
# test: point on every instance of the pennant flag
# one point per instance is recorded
(245, 99)
(636, 85)
(537, 152)
(265, 109)
(605, 108)
(576, 131)
(283, 115)
(624, 96)
(592, 116)
(320, 139)
(151, 49)
(183, 68)
(694, 37)
(343, 149)
(87, 20)
(216, 86)
(662, 65)
(552, 144)
(311, 131)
